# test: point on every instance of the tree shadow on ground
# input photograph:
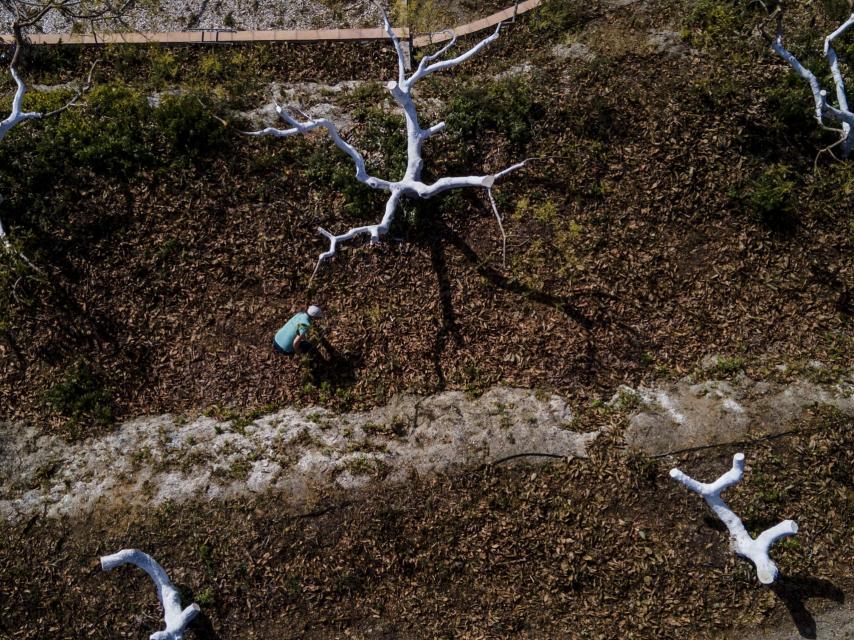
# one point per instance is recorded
(794, 590)
(449, 329)
(587, 321)
(202, 628)
(714, 523)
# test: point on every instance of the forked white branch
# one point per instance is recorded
(176, 618)
(410, 185)
(823, 109)
(740, 541)
(28, 17)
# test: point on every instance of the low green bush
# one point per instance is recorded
(81, 397)
(505, 107)
(560, 16)
(771, 197)
(188, 128)
(772, 190)
(711, 22)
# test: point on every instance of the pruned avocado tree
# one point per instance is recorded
(26, 14)
(756, 550)
(175, 617)
(410, 185)
(840, 112)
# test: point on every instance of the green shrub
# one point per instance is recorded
(164, 68)
(506, 107)
(187, 127)
(836, 10)
(108, 137)
(712, 21)
(383, 134)
(790, 105)
(771, 194)
(559, 16)
(211, 66)
(727, 366)
(206, 597)
(81, 396)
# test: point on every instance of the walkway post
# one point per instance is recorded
(408, 45)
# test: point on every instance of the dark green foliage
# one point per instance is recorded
(81, 396)
(836, 10)
(383, 135)
(712, 21)
(505, 107)
(771, 197)
(559, 16)
(790, 104)
(188, 128)
(772, 190)
(727, 367)
(115, 133)
(106, 136)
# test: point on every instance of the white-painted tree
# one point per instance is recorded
(25, 15)
(410, 185)
(840, 112)
(175, 617)
(755, 550)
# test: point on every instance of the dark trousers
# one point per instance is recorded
(305, 347)
(279, 350)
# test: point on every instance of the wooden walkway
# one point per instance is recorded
(306, 35)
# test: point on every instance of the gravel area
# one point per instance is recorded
(178, 15)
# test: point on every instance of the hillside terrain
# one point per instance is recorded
(680, 213)
(678, 281)
(607, 547)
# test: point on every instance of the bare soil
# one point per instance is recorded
(608, 547)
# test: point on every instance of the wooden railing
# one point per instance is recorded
(201, 36)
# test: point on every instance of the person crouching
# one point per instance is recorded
(290, 339)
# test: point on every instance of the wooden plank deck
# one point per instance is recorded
(306, 35)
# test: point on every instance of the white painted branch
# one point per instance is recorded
(427, 59)
(175, 617)
(841, 113)
(312, 124)
(425, 70)
(17, 115)
(410, 185)
(839, 82)
(398, 47)
(740, 541)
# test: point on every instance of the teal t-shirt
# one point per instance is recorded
(297, 325)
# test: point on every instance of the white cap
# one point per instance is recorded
(315, 312)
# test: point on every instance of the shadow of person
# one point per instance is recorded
(794, 590)
(327, 364)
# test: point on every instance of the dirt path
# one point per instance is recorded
(299, 454)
